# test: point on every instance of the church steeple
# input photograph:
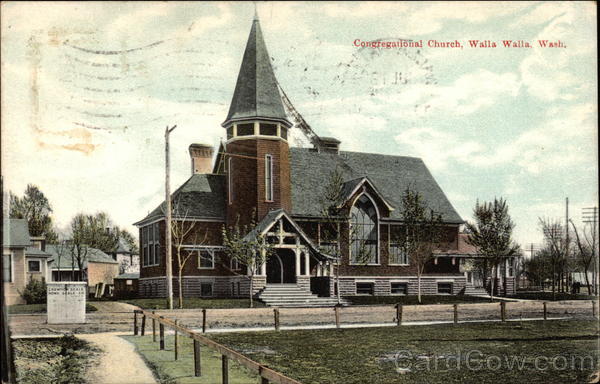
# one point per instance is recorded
(256, 96)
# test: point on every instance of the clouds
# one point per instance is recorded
(485, 122)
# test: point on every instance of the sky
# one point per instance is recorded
(88, 89)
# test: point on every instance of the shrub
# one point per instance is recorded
(35, 292)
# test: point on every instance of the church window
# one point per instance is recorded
(245, 129)
(269, 178)
(268, 129)
(363, 231)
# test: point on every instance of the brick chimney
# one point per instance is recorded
(201, 156)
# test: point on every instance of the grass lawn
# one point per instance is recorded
(370, 355)
(62, 360)
(548, 296)
(168, 370)
(412, 299)
(39, 308)
(194, 303)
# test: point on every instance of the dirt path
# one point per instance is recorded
(119, 363)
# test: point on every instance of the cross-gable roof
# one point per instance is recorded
(390, 175)
(15, 233)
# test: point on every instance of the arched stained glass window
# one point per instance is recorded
(363, 232)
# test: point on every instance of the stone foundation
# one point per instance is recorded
(222, 286)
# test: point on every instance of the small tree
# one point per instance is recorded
(35, 291)
(555, 249)
(78, 247)
(492, 235)
(62, 247)
(587, 243)
(422, 232)
(183, 230)
(248, 247)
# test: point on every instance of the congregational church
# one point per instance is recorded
(256, 177)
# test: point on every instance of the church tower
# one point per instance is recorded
(257, 153)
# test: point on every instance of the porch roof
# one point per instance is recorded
(271, 218)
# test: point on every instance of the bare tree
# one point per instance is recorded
(61, 248)
(247, 246)
(78, 245)
(184, 231)
(492, 235)
(555, 250)
(422, 232)
(587, 244)
(334, 215)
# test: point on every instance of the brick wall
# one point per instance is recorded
(382, 287)
(222, 286)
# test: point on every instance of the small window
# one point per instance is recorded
(245, 129)
(229, 133)
(34, 265)
(268, 129)
(206, 289)
(445, 288)
(399, 288)
(364, 289)
(284, 133)
(7, 268)
(230, 179)
(207, 259)
(234, 264)
(128, 282)
(268, 178)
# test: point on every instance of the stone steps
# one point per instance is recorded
(291, 295)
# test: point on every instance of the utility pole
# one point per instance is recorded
(590, 216)
(568, 273)
(168, 248)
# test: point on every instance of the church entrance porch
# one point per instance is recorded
(281, 267)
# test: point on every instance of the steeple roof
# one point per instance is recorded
(256, 94)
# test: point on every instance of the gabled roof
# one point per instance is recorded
(349, 188)
(123, 247)
(270, 219)
(202, 196)
(256, 93)
(391, 175)
(36, 252)
(93, 255)
(15, 233)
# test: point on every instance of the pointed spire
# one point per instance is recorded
(256, 93)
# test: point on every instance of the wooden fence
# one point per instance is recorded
(266, 374)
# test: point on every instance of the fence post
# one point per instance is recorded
(135, 325)
(143, 331)
(153, 328)
(175, 341)
(225, 369)
(503, 310)
(399, 314)
(203, 320)
(594, 308)
(197, 358)
(455, 313)
(337, 316)
(161, 336)
(276, 315)
(545, 310)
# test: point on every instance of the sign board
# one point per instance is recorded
(66, 302)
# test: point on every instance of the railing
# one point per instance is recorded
(267, 375)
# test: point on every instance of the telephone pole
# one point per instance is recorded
(168, 249)
(590, 217)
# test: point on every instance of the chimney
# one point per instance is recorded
(201, 156)
(329, 144)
